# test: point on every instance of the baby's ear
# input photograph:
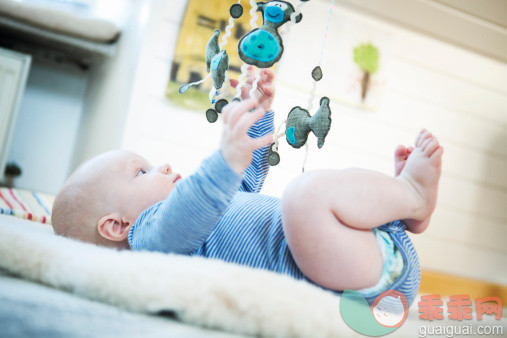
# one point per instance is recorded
(113, 227)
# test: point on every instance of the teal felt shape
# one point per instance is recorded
(290, 135)
(261, 46)
(212, 49)
(274, 14)
(219, 66)
(215, 62)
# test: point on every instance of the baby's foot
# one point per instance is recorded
(422, 170)
(400, 158)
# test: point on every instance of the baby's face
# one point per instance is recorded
(135, 184)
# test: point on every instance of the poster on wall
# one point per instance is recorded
(201, 19)
(364, 64)
(354, 53)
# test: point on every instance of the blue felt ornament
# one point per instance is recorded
(263, 46)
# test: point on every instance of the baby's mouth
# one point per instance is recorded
(177, 178)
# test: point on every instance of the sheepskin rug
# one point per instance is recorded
(203, 292)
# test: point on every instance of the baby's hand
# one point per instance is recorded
(265, 88)
(236, 146)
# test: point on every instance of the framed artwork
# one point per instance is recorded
(363, 62)
(200, 20)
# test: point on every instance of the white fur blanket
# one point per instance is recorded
(200, 291)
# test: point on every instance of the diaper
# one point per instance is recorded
(392, 266)
(401, 270)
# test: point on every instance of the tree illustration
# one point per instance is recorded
(366, 57)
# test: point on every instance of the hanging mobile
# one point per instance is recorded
(262, 47)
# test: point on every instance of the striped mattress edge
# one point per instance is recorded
(26, 204)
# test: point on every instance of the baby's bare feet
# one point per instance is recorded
(421, 168)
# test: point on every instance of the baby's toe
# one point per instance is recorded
(400, 153)
(425, 139)
(426, 143)
(432, 146)
(422, 137)
(418, 138)
(437, 154)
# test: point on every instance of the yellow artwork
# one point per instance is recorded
(201, 19)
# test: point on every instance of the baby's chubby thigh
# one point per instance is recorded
(303, 201)
(325, 250)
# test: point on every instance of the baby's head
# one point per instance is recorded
(102, 199)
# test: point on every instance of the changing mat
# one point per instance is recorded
(199, 291)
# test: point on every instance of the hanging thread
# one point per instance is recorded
(314, 87)
(254, 84)
(312, 93)
(241, 80)
(244, 67)
(297, 11)
(253, 14)
(184, 88)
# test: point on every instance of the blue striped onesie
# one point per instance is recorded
(217, 213)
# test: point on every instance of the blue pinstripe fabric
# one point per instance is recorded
(410, 279)
(217, 213)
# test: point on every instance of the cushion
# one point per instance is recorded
(61, 19)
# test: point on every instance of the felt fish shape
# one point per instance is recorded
(263, 46)
(212, 49)
(300, 123)
(217, 61)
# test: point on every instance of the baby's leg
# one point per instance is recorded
(328, 215)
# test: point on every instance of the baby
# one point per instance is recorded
(338, 229)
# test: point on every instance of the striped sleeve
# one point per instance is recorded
(183, 221)
(256, 173)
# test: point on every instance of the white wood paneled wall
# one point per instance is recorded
(458, 95)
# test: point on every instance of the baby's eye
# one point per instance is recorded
(141, 172)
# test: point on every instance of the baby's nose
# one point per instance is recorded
(165, 169)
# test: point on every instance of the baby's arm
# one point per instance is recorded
(257, 171)
(183, 221)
